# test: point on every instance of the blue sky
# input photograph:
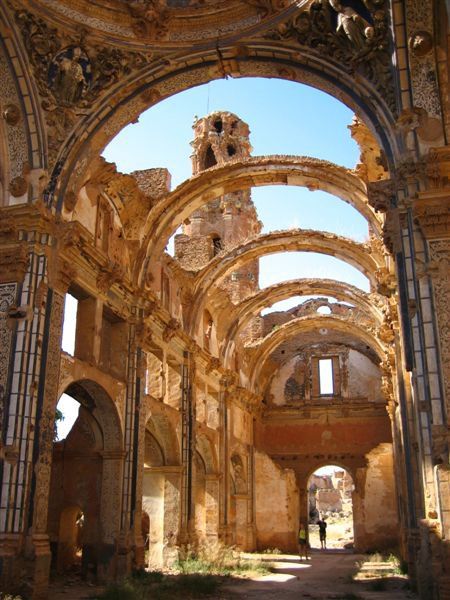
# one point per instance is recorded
(284, 118)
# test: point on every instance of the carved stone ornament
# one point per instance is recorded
(432, 213)
(170, 330)
(386, 282)
(420, 43)
(108, 276)
(150, 18)
(70, 75)
(380, 194)
(18, 186)
(67, 76)
(11, 114)
(357, 38)
(70, 200)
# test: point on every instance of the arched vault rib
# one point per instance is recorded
(358, 255)
(255, 171)
(260, 352)
(230, 322)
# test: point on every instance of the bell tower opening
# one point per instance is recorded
(210, 159)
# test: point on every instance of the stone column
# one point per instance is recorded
(30, 332)
(111, 495)
(130, 522)
(212, 506)
(242, 501)
(187, 532)
(358, 509)
(172, 516)
(225, 534)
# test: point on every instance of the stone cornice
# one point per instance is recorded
(432, 213)
(343, 410)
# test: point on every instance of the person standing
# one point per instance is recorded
(302, 542)
(322, 533)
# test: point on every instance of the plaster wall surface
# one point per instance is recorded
(277, 505)
(326, 434)
(363, 377)
(374, 505)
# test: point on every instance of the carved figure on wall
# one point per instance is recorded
(353, 33)
(239, 474)
(151, 17)
(355, 26)
(421, 43)
(69, 75)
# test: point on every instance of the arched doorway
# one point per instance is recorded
(84, 521)
(70, 541)
(330, 490)
(161, 490)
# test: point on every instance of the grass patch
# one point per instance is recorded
(217, 559)
(161, 587)
(197, 573)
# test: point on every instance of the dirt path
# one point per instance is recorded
(326, 576)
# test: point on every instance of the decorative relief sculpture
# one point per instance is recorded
(11, 114)
(352, 32)
(70, 75)
(69, 78)
(151, 18)
(357, 28)
(420, 43)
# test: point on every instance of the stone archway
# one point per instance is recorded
(161, 490)
(250, 172)
(329, 498)
(87, 479)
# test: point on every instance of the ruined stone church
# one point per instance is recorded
(200, 416)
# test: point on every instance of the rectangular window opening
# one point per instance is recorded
(69, 324)
(326, 387)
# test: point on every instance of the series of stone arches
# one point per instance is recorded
(70, 222)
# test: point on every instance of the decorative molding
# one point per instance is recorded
(70, 76)
(14, 262)
(432, 213)
(358, 41)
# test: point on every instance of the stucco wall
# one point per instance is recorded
(277, 505)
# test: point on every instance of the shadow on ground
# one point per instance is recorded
(327, 575)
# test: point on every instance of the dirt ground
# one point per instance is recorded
(326, 576)
(339, 531)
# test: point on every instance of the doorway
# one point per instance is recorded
(330, 491)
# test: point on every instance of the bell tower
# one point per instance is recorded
(228, 220)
